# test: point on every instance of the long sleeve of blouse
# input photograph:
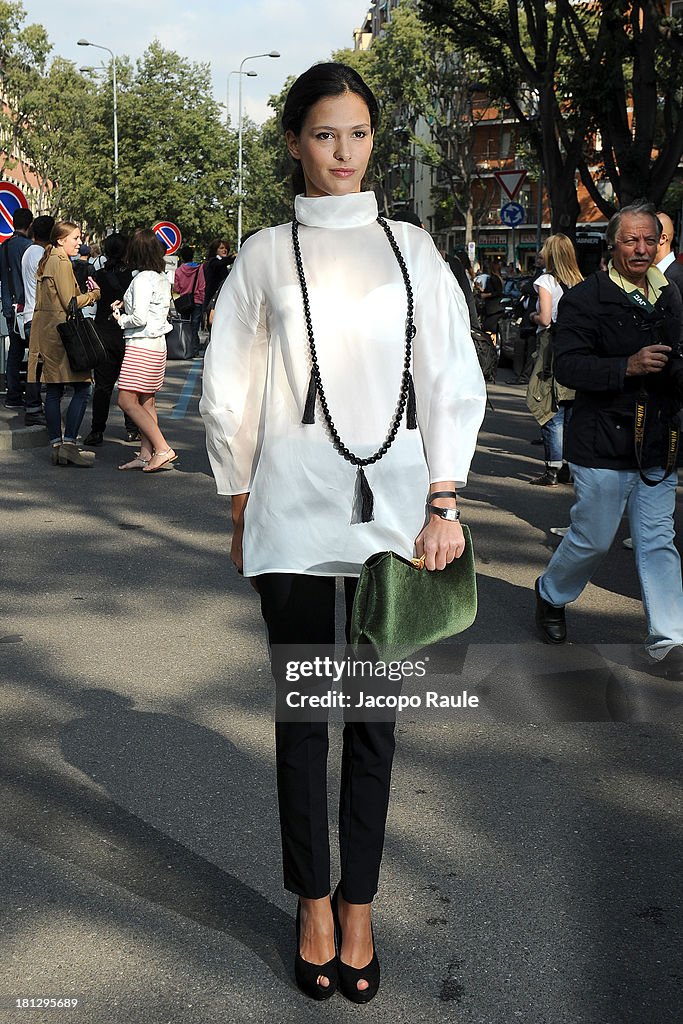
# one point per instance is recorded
(235, 381)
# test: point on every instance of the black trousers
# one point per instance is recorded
(299, 609)
(106, 376)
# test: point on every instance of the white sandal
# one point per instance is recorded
(168, 456)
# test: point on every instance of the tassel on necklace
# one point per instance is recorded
(411, 410)
(309, 407)
(363, 500)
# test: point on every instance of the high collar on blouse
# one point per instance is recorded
(337, 212)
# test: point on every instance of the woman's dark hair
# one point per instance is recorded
(214, 246)
(318, 83)
(186, 254)
(115, 248)
(145, 251)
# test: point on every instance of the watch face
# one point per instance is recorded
(452, 514)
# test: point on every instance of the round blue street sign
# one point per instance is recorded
(512, 214)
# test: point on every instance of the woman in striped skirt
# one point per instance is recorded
(145, 325)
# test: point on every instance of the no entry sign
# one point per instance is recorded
(11, 200)
(169, 235)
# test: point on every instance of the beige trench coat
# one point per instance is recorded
(55, 289)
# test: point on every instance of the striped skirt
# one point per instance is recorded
(142, 370)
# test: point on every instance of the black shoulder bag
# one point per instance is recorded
(85, 349)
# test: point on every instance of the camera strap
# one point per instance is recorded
(672, 443)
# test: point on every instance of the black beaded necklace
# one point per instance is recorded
(363, 504)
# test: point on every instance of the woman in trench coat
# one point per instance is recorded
(48, 362)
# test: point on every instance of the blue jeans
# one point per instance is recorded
(74, 414)
(602, 496)
(552, 433)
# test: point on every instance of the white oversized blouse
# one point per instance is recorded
(257, 369)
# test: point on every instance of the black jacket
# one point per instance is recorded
(113, 280)
(215, 272)
(674, 273)
(12, 283)
(598, 328)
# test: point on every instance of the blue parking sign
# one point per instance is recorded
(11, 200)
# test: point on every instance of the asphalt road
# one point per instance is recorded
(532, 870)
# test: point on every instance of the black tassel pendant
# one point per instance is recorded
(411, 411)
(363, 500)
(309, 408)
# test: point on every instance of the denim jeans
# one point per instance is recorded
(74, 414)
(552, 433)
(602, 496)
(15, 356)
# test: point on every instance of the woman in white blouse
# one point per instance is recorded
(561, 273)
(145, 324)
(305, 389)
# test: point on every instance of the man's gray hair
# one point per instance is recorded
(640, 208)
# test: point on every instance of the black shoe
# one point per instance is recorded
(564, 475)
(547, 479)
(307, 974)
(132, 435)
(672, 662)
(94, 438)
(11, 404)
(35, 419)
(549, 619)
(350, 976)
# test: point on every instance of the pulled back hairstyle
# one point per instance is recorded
(61, 229)
(319, 83)
(145, 251)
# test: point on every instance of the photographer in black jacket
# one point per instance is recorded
(619, 344)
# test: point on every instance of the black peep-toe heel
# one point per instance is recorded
(350, 976)
(307, 974)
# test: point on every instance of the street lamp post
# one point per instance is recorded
(273, 53)
(249, 74)
(85, 42)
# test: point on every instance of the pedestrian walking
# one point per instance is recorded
(305, 350)
(491, 296)
(216, 268)
(41, 229)
(13, 300)
(619, 343)
(48, 362)
(145, 324)
(189, 284)
(113, 280)
(547, 400)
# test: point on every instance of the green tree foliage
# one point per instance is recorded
(176, 158)
(433, 104)
(569, 70)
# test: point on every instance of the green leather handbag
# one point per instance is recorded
(400, 607)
